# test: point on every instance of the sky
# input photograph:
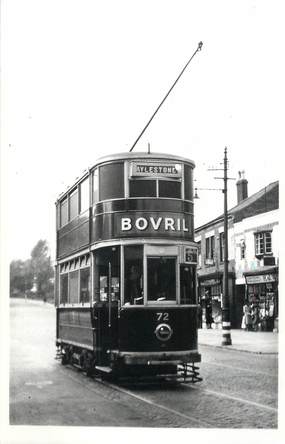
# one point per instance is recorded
(81, 79)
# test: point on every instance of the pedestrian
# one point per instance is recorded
(246, 319)
(209, 318)
(255, 317)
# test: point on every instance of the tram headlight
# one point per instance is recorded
(163, 332)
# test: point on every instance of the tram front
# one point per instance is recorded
(145, 302)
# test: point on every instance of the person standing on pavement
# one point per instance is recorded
(255, 317)
(246, 319)
(209, 318)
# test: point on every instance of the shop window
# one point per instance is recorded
(64, 212)
(84, 285)
(111, 181)
(187, 284)
(188, 183)
(161, 278)
(222, 247)
(142, 188)
(133, 274)
(63, 288)
(169, 188)
(263, 243)
(84, 195)
(73, 204)
(73, 287)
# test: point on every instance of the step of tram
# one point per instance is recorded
(104, 369)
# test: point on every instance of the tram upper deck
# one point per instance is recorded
(127, 196)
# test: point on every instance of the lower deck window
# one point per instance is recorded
(107, 274)
(161, 273)
(64, 288)
(84, 285)
(187, 284)
(73, 287)
(134, 274)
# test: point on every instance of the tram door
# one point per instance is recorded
(107, 291)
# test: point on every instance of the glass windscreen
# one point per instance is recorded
(161, 278)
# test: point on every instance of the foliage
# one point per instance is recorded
(33, 277)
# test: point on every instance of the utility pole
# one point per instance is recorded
(226, 323)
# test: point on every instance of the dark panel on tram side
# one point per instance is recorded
(177, 206)
(154, 224)
(74, 325)
(137, 328)
(74, 235)
(105, 331)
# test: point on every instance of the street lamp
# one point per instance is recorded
(226, 323)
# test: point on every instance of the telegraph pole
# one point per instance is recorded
(226, 323)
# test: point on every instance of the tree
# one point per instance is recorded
(42, 269)
(35, 275)
(21, 277)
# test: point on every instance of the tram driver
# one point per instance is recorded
(134, 295)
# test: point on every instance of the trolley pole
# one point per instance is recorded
(226, 323)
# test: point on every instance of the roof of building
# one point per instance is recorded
(264, 200)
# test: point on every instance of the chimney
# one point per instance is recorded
(241, 187)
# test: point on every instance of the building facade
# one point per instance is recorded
(253, 233)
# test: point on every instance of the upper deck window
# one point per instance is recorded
(64, 212)
(73, 204)
(142, 188)
(95, 186)
(188, 183)
(84, 195)
(169, 188)
(111, 181)
(155, 179)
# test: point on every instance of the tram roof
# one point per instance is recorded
(126, 156)
(144, 156)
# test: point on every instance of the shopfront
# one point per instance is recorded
(210, 292)
(262, 294)
(210, 295)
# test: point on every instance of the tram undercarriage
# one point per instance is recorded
(118, 370)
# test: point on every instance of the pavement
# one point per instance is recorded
(246, 341)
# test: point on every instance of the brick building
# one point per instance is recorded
(253, 226)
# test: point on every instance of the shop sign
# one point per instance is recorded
(261, 279)
(210, 282)
(155, 169)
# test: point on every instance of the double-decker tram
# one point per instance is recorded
(126, 303)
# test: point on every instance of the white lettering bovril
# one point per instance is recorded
(142, 223)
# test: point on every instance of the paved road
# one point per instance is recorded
(239, 390)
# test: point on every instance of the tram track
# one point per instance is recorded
(235, 403)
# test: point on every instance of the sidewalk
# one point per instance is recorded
(246, 341)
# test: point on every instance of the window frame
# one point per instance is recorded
(263, 245)
(210, 248)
